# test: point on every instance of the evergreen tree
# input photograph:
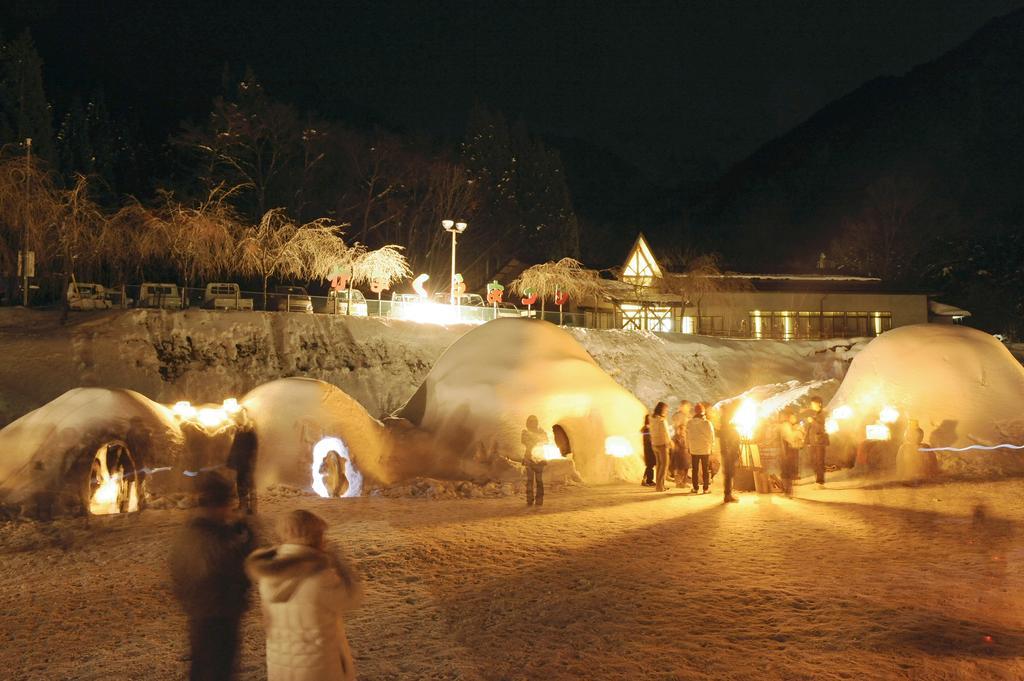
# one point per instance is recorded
(23, 106)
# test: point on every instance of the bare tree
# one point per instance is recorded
(276, 246)
(381, 268)
(199, 240)
(29, 204)
(566, 276)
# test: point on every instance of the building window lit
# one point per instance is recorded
(784, 325)
(689, 324)
(646, 318)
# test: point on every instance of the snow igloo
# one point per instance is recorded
(91, 447)
(474, 404)
(311, 435)
(962, 386)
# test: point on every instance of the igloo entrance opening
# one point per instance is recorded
(333, 473)
(112, 484)
(561, 440)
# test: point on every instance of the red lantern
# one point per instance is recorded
(561, 298)
(460, 288)
(377, 286)
(495, 292)
(530, 299)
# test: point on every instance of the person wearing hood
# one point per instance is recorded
(209, 581)
(304, 590)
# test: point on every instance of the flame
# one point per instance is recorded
(549, 452)
(184, 409)
(745, 419)
(618, 446)
(889, 414)
(842, 413)
(877, 431)
(106, 500)
(211, 417)
(231, 406)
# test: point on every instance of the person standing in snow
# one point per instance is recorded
(242, 460)
(730, 449)
(680, 450)
(700, 435)
(817, 439)
(649, 460)
(304, 590)
(791, 439)
(533, 437)
(660, 442)
(209, 581)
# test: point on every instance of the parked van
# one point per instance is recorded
(166, 296)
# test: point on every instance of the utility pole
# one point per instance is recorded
(28, 215)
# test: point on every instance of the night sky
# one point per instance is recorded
(667, 85)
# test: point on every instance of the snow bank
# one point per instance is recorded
(476, 399)
(66, 433)
(674, 367)
(962, 386)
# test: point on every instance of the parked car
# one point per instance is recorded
(82, 296)
(225, 296)
(466, 299)
(337, 303)
(290, 299)
(166, 296)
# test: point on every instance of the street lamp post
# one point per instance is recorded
(455, 228)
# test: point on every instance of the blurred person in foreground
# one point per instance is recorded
(791, 437)
(208, 578)
(730, 448)
(242, 460)
(817, 439)
(680, 450)
(534, 436)
(304, 590)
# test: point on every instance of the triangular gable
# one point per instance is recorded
(641, 269)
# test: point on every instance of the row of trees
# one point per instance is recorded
(73, 235)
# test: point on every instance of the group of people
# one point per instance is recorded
(304, 590)
(687, 451)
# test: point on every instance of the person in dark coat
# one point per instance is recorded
(649, 459)
(791, 436)
(242, 460)
(817, 439)
(208, 578)
(729, 445)
(533, 437)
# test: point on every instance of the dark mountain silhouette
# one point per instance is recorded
(949, 132)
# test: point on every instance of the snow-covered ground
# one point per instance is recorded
(614, 582)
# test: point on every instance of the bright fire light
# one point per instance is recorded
(745, 419)
(877, 431)
(231, 406)
(106, 500)
(184, 409)
(889, 414)
(550, 452)
(831, 426)
(618, 446)
(842, 413)
(211, 417)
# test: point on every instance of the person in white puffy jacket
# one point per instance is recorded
(700, 436)
(304, 591)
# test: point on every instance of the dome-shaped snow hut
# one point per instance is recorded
(91, 447)
(312, 435)
(962, 386)
(476, 399)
